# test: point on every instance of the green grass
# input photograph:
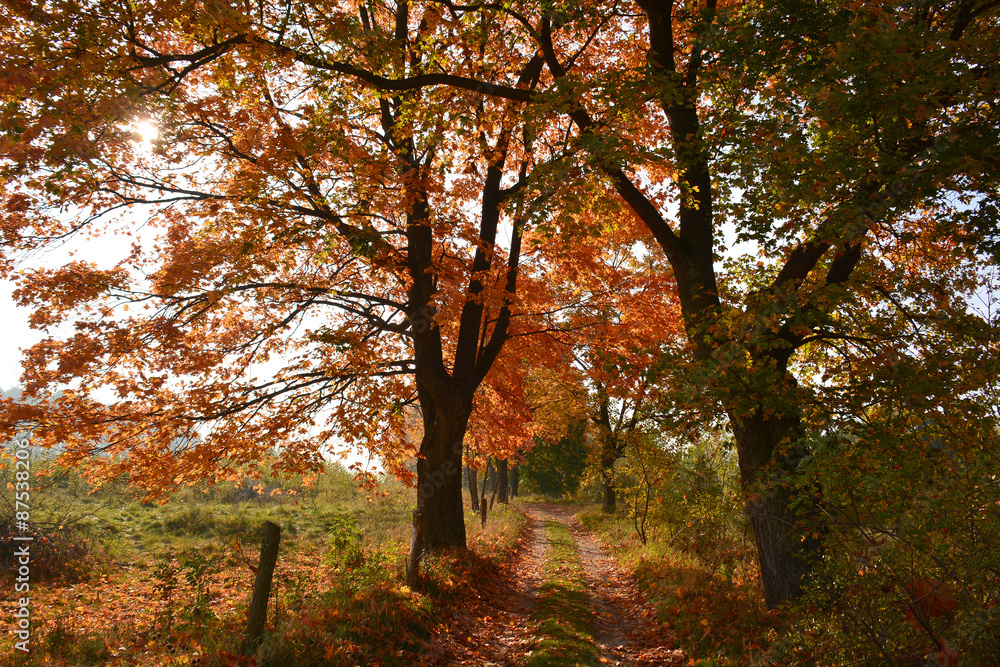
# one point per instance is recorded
(532, 497)
(566, 623)
(338, 593)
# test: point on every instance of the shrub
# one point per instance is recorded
(911, 569)
(64, 552)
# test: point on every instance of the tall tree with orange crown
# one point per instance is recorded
(362, 253)
(810, 128)
(807, 126)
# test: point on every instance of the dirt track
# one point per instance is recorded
(499, 631)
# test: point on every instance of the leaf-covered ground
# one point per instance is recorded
(129, 584)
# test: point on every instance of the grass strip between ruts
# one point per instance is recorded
(566, 623)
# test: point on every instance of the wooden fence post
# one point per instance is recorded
(416, 545)
(482, 510)
(262, 587)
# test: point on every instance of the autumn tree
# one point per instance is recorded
(813, 178)
(616, 315)
(366, 248)
(548, 408)
(905, 443)
(626, 325)
(500, 428)
(610, 308)
(556, 467)
(807, 127)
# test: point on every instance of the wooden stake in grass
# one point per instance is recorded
(262, 587)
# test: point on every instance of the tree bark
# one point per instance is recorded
(489, 481)
(413, 562)
(785, 558)
(502, 481)
(494, 482)
(608, 501)
(439, 476)
(515, 480)
(609, 454)
(446, 391)
(610, 451)
(787, 548)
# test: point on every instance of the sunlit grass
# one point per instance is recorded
(717, 614)
(170, 584)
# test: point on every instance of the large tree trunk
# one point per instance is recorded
(786, 549)
(515, 481)
(785, 558)
(439, 479)
(445, 390)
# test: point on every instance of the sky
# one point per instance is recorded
(16, 335)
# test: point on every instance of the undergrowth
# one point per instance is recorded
(716, 613)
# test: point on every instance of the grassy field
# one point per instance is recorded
(118, 582)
